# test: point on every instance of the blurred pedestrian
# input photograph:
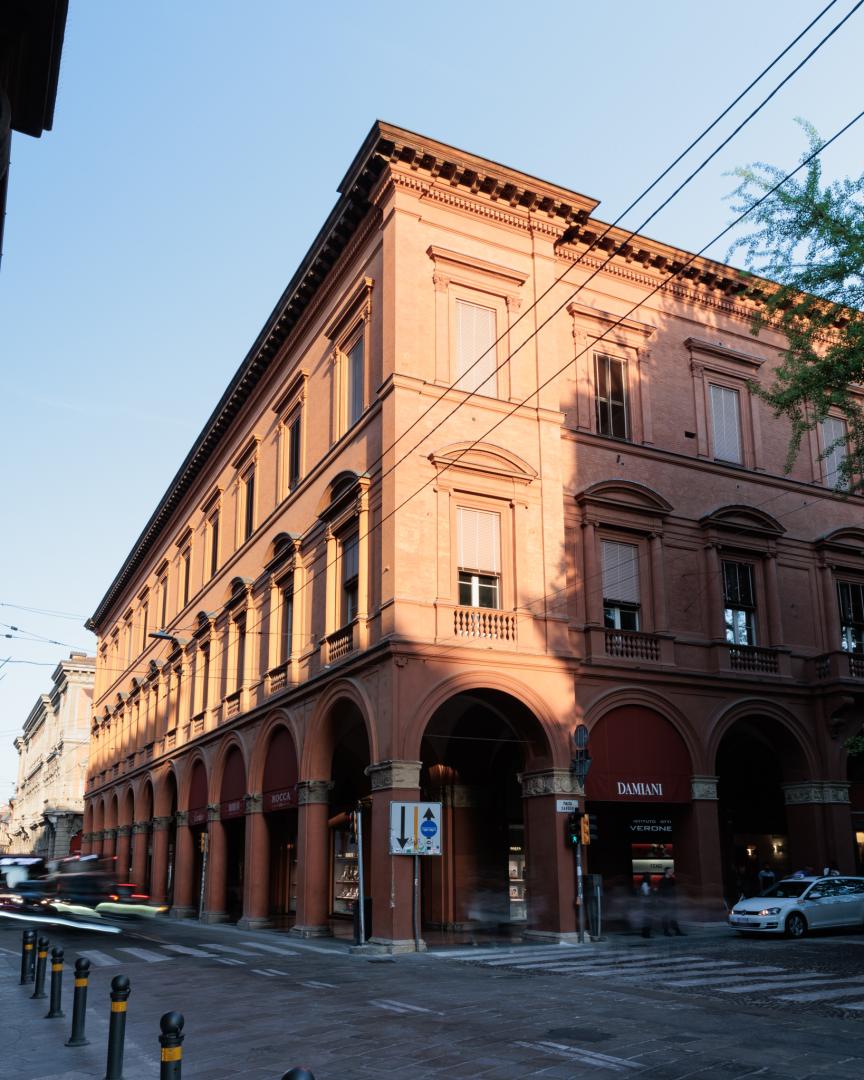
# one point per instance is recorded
(667, 892)
(646, 901)
(767, 879)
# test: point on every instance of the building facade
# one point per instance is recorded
(48, 808)
(490, 470)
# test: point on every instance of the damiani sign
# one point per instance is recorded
(640, 787)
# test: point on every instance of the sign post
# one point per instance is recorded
(415, 829)
(580, 765)
(358, 817)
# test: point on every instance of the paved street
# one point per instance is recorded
(706, 1005)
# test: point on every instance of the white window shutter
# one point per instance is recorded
(832, 430)
(726, 423)
(479, 540)
(620, 572)
(475, 341)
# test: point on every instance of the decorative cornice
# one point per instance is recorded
(821, 792)
(550, 782)
(394, 774)
(703, 788)
(254, 803)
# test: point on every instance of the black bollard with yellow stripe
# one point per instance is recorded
(27, 946)
(41, 965)
(79, 1002)
(120, 991)
(55, 1011)
(298, 1074)
(171, 1043)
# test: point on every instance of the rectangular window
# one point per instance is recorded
(128, 642)
(294, 453)
(248, 502)
(479, 554)
(286, 629)
(214, 543)
(851, 596)
(726, 423)
(186, 559)
(610, 396)
(163, 585)
(355, 374)
(241, 652)
(145, 611)
(833, 438)
(205, 676)
(621, 600)
(475, 349)
(739, 603)
(350, 570)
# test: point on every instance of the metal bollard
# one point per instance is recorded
(55, 1012)
(298, 1074)
(79, 1003)
(27, 946)
(120, 991)
(41, 965)
(171, 1042)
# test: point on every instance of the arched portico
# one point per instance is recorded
(226, 836)
(142, 833)
(190, 839)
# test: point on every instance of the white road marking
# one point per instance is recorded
(521, 950)
(783, 982)
(826, 995)
(315, 985)
(185, 950)
(402, 1007)
(661, 966)
(269, 948)
(587, 1057)
(640, 972)
(858, 1006)
(229, 960)
(100, 959)
(728, 977)
(261, 971)
(144, 954)
(230, 949)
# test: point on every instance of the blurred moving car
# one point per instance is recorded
(128, 902)
(797, 905)
(31, 896)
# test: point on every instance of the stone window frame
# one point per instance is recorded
(505, 508)
(246, 468)
(351, 324)
(457, 276)
(714, 364)
(290, 406)
(211, 511)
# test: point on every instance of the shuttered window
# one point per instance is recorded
(620, 572)
(355, 382)
(833, 432)
(726, 423)
(479, 541)
(475, 348)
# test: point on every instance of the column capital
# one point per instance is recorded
(214, 812)
(816, 791)
(394, 774)
(703, 788)
(140, 826)
(313, 791)
(124, 830)
(162, 822)
(550, 782)
(254, 803)
(181, 818)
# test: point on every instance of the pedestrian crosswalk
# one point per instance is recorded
(684, 971)
(244, 953)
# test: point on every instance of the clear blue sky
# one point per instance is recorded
(196, 151)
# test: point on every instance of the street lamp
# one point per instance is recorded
(163, 635)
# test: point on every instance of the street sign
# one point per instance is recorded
(415, 828)
(566, 806)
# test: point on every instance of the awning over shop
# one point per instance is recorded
(280, 773)
(637, 756)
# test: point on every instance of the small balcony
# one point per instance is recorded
(628, 648)
(197, 724)
(232, 705)
(632, 645)
(753, 660)
(338, 645)
(484, 624)
(278, 677)
(838, 666)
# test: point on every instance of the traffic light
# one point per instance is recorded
(585, 833)
(592, 828)
(574, 828)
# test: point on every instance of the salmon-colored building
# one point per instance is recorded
(484, 474)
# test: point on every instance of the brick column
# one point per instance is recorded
(819, 825)
(313, 859)
(108, 843)
(86, 843)
(122, 850)
(256, 875)
(391, 876)
(159, 864)
(214, 885)
(184, 864)
(550, 884)
(139, 853)
(698, 859)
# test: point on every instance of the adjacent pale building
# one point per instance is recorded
(48, 807)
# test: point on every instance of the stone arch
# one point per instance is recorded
(88, 816)
(217, 772)
(748, 708)
(127, 806)
(638, 696)
(553, 727)
(166, 793)
(281, 718)
(187, 784)
(113, 810)
(341, 484)
(318, 744)
(99, 815)
(144, 800)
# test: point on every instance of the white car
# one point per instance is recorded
(798, 904)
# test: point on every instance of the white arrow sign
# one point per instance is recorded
(415, 828)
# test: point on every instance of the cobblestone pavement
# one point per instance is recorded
(706, 1006)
